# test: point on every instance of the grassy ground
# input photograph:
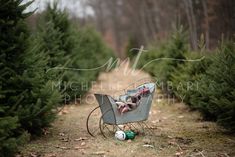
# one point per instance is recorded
(177, 130)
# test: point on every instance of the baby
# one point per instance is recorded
(129, 105)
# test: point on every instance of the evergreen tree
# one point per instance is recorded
(27, 98)
(175, 50)
(12, 45)
(215, 97)
(212, 85)
(166, 58)
(41, 98)
(185, 77)
(90, 53)
(130, 52)
(55, 33)
(72, 48)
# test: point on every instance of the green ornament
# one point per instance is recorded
(130, 135)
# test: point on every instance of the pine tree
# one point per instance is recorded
(165, 59)
(213, 87)
(216, 99)
(27, 97)
(12, 45)
(185, 77)
(56, 35)
(130, 52)
(70, 47)
(41, 98)
(175, 51)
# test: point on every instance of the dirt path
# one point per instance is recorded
(178, 131)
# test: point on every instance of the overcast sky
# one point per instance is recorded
(74, 7)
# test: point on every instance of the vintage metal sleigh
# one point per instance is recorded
(110, 118)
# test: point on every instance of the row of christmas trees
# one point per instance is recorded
(203, 80)
(32, 63)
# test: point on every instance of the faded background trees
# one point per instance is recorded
(145, 21)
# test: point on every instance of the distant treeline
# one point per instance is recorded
(145, 21)
(31, 63)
